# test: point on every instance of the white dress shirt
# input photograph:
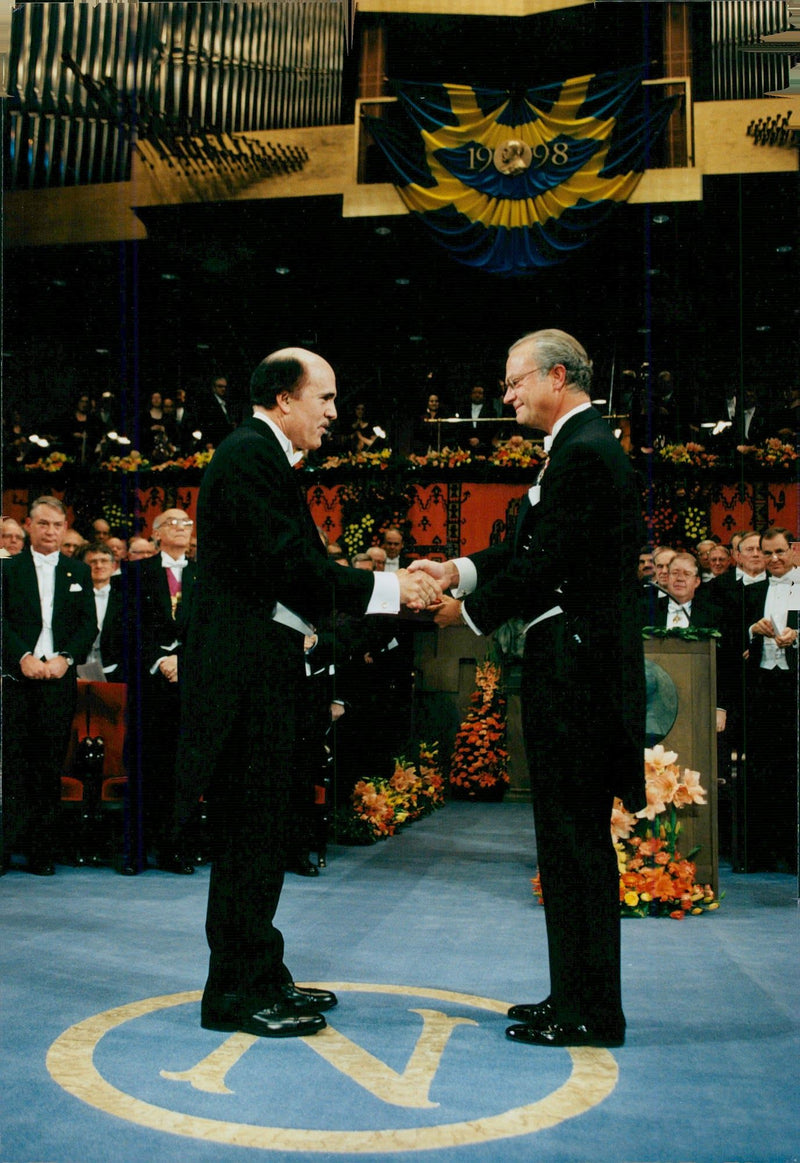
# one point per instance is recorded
(776, 608)
(46, 581)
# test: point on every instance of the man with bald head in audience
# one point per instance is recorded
(264, 581)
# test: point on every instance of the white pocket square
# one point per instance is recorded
(75, 588)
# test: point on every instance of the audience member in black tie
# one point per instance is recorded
(646, 570)
(750, 423)
(12, 537)
(139, 548)
(49, 625)
(263, 580)
(688, 602)
(393, 542)
(73, 544)
(477, 437)
(377, 555)
(161, 590)
(702, 550)
(771, 709)
(750, 556)
(583, 691)
(110, 648)
(101, 530)
(215, 414)
(719, 562)
(655, 594)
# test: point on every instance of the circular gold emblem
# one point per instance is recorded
(70, 1061)
(512, 157)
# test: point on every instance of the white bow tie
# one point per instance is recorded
(168, 563)
(45, 558)
(677, 608)
(781, 581)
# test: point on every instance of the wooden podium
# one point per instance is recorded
(692, 668)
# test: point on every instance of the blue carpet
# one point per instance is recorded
(427, 938)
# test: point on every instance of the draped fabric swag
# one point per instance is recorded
(515, 180)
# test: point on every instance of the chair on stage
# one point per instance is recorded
(95, 783)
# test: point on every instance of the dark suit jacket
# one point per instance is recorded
(755, 597)
(578, 549)
(114, 637)
(149, 599)
(257, 545)
(74, 618)
(704, 612)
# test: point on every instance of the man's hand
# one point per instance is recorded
(33, 667)
(418, 590)
(787, 638)
(722, 720)
(169, 667)
(56, 667)
(445, 572)
(449, 612)
(763, 627)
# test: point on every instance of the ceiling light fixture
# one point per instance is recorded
(282, 270)
(402, 282)
(660, 219)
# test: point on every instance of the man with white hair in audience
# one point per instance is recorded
(12, 537)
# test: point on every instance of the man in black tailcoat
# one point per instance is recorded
(771, 617)
(49, 626)
(159, 595)
(583, 692)
(263, 581)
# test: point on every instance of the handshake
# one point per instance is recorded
(422, 586)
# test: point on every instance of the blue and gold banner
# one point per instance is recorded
(513, 180)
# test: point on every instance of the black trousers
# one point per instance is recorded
(771, 788)
(37, 720)
(571, 758)
(250, 806)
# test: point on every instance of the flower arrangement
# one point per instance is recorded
(382, 806)
(695, 523)
(479, 763)
(131, 462)
(689, 453)
(196, 460)
(366, 459)
(357, 534)
(52, 463)
(444, 458)
(517, 453)
(773, 453)
(655, 880)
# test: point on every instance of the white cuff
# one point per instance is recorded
(467, 578)
(385, 594)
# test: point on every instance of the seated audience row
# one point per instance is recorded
(749, 592)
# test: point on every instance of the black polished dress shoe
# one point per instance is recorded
(563, 1034)
(533, 1013)
(279, 1020)
(305, 1001)
(41, 868)
(302, 866)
